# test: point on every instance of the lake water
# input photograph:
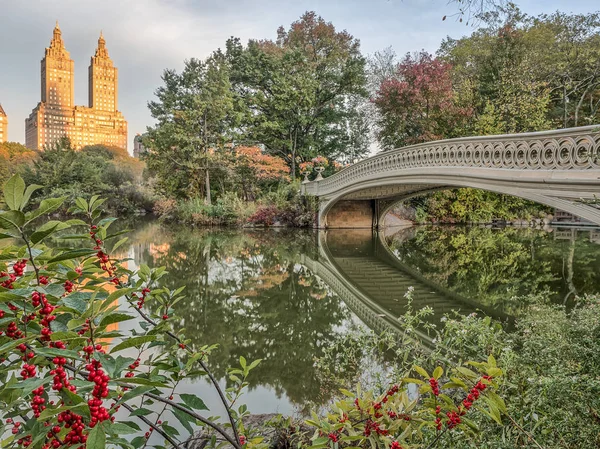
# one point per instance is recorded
(283, 295)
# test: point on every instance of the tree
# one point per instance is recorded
(94, 169)
(418, 104)
(300, 93)
(195, 116)
(252, 167)
(555, 55)
(570, 46)
(14, 157)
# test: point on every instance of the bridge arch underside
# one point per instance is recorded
(364, 204)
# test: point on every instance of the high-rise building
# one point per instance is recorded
(3, 125)
(56, 116)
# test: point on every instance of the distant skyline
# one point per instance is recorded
(145, 37)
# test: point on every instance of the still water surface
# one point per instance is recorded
(284, 295)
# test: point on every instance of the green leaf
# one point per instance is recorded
(12, 219)
(8, 296)
(53, 352)
(421, 371)
(115, 318)
(140, 381)
(185, 419)
(141, 411)
(118, 293)
(169, 430)
(133, 341)
(119, 243)
(14, 189)
(466, 372)
(47, 229)
(27, 386)
(96, 438)
(437, 373)
(30, 189)
(119, 428)
(137, 391)
(497, 400)
(138, 442)
(47, 206)
(75, 304)
(254, 364)
(193, 401)
(494, 372)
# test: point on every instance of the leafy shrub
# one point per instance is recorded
(61, 386)
(165, 207)
(266, 215)
(550, 360)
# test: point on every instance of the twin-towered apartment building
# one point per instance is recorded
(56, 115)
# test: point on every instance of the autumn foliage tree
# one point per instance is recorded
(254, 168)
(418, 104)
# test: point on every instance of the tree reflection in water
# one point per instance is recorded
(493, 266)
(248, 292)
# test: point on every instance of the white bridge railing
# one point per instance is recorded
(565, 149)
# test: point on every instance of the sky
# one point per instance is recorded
(144, 37)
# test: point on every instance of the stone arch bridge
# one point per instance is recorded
(560, 169)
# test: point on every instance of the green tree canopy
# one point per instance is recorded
(195, 114)
(302, 93)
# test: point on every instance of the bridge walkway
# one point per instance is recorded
(386, 285)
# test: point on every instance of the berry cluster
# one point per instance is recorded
(19, 267)
(71, 421)
(28, 371)
(141, 299)
(438, 420)
(45, 313)
(453, 419)
(473, 395)
(68, 286)
(84, 328)
(8, 282)
(395, 445)
(97, 375)
(60, 379)
(435, 387)
(373, 426)
(38, 401)
(12, 331)
(133, 367)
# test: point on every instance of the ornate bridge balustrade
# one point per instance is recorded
(559, 168)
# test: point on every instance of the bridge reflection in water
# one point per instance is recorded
(362, 270)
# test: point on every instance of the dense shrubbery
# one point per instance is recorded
(14, 158)
(550, 361)
(95, 169)
(283, 206)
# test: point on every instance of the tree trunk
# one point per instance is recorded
(208, 199)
